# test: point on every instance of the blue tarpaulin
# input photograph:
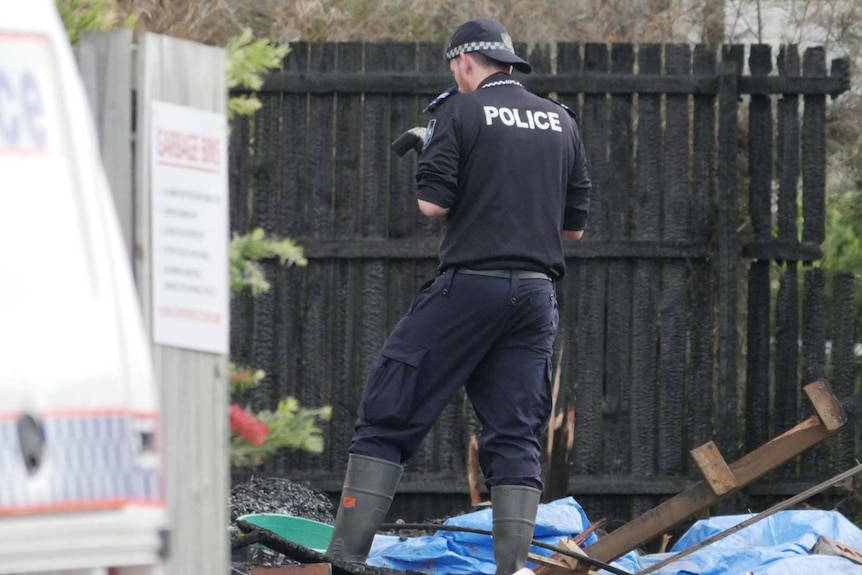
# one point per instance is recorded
(457, 553)
(778, 545)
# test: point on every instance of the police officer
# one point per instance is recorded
(507, 171)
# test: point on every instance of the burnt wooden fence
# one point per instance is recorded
(709, 168)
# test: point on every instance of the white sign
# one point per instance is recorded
(189, 228)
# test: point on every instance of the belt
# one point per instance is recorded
(523, 274)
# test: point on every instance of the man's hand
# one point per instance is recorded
(432, 210)
(412, 139)
(572, 234)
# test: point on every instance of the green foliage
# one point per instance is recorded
(81, 16)
(247, 60)
(247, 250)
(290, 427)
(842, 249)
(843, 246)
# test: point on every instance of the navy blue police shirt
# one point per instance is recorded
(511, 168)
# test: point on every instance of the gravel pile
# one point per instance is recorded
(276, 495)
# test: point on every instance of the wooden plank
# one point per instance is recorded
(642, 312)
(278, 338)
(702, 281)
(814, 325)
(318, 211)
(286, 203)
(673, 294)
(348, 138)
(843, 359)
(828, 408)
(540, 60)
(193, 385)
(760, 210)
(670, 513)
(587, 82)
(813, 352)
(569, 58)
(704, 170)
(421, 246)
(268, 182)
(676, 213)
(312, 387)
(781, 250)
(595, 134)
(813, 332)
(348, 383)
(758, 355)
(714, 468)
(589, 371)
(376, 154)
(814, 151)
(786, 350)
(788, 149)
(105, 64)
(240, 172)
(346, 389)
(620, 374)
(728, 259)
(621, 179)
(590, 332)
(760, 148)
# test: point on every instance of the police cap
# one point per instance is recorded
(488, 37)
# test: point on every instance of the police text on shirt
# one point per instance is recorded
(523, 119)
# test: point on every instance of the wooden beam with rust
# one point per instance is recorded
(747, 469)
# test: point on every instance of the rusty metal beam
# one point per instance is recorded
(699, 496)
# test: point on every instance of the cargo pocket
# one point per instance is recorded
(392, 384)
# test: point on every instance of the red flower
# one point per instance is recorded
(248, 426)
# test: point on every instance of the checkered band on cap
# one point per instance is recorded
(477, 47)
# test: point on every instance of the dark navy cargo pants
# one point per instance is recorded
(492, 335)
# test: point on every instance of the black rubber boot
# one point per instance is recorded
(514, 510)
(369, 486)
